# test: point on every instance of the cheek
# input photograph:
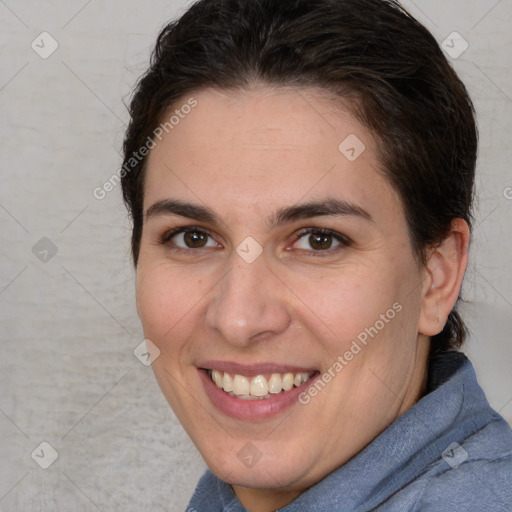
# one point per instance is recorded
(350, 302)
(166, 302)
(376, 305)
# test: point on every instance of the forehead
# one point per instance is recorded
(264, 147)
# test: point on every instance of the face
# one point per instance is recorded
(278, 264)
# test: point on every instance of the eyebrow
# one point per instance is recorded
(327, 207)
(192, 211)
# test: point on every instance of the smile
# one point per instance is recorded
(255, 392)
(258, 387)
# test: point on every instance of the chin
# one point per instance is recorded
(278, 471)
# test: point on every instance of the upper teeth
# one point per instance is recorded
(259, 386)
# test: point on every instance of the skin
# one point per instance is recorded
(246, 155)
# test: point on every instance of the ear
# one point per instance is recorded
(443, 275)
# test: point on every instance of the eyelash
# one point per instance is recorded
(167, 236)
(343, 240)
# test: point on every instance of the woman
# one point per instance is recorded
(300, 177)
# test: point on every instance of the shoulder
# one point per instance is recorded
(213, 495)
(206, 494)
(472, 476)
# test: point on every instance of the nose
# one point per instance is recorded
(249, 304)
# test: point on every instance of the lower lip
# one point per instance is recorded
(251, 409)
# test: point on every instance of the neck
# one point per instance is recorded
(264, 500)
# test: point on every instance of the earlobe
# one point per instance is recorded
(444, 273)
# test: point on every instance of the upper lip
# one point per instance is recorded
(253, 369)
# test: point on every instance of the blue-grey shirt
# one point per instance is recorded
(450, 452)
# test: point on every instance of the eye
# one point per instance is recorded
(320, 240)
(189, 238)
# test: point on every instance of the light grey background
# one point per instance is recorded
(68, 375)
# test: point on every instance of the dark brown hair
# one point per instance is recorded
(407, 94)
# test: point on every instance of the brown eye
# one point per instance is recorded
(194, 239)
(320, 241)
(190, 239)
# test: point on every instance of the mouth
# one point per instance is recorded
(258, 387)
(254, 392)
